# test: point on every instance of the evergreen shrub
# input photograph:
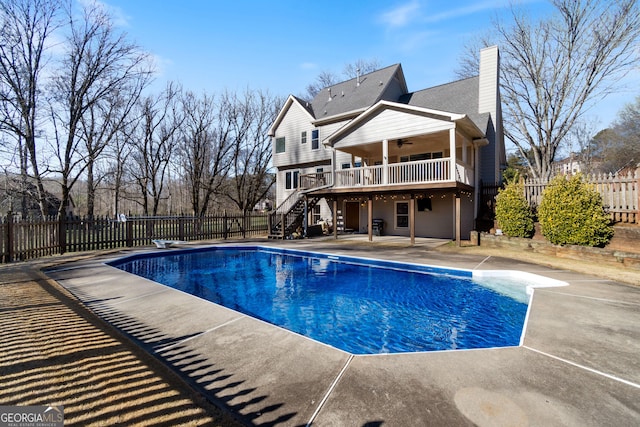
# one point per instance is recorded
(571, 212)
(513, 212)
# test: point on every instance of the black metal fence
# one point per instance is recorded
(24, 239)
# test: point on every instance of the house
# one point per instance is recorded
(368, 156)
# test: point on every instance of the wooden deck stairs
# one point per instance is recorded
(289, 216)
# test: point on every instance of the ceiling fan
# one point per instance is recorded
(400, 142)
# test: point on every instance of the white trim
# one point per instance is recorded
(446, 116)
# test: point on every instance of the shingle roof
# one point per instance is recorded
(349, 96)
(456, 97)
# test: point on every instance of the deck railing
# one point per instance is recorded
(423, 171)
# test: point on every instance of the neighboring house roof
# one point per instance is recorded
(359, 93)
(456, 97)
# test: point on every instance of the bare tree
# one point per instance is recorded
(360, 67)
(204, 148)
(251, 118)
(101, 127)
(117, 155)
(101, 76)
(580, 143)
(554, 69)
(153, 141)
(618, 146)
(25, 32)
(324, 79)
(350, 71)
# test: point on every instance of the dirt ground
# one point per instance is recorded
(54, 352)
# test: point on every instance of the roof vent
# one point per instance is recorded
(342, 93)
(358, 76)
(329, 90)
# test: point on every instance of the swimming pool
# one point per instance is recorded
(359, 305)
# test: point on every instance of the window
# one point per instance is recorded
(291, 180)
(315, 215)
(303, 137)
(315, 139)
(402, 214)
(424, 205)
(280, 145)
(345, 166)
(422, 156)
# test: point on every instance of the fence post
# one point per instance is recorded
(244, 225)
(9, 238)
(181, 228)
(225, 229)
(638, 194)
(62, 234)
(129, 225)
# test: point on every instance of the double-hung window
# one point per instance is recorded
(303, 137)
(316, 217)
(402, 215)
(291, 180)
(280, 145)
(315, 139)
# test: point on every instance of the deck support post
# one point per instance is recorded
(412, 219)
(457, 218)
(335, 218)
(370, 217)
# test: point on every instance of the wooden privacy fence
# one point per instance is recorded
(619, 192)
(23, 239)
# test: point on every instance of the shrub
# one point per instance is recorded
(513, 212)
(571, 213)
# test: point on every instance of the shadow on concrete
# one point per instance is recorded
(220, 387)
(53, 352)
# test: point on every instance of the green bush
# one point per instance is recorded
(571, 213)
(513, 212)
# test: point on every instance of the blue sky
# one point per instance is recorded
(282, 45)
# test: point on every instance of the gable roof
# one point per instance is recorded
(348, 99)
(410, 109)
(456, 97)
(285, 108)
(349, 96)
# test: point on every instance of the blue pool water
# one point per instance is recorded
(357, 305)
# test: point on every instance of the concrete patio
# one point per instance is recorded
(579, 365)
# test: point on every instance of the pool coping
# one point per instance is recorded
(266, 376)
(533, 281)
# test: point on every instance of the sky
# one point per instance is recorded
(283, 45)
